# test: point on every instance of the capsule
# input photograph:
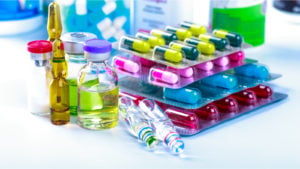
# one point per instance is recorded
(219, 43)
(262, 91)
(180, 32)
(183, 118)
(186, 72)
(203, 47)
(194, 28)
(227, 105)
(253, 70)
(221, 80)
(208, 113)
(164, 76)
(167, 36)
(221, 61)
(152, 40)
(185, 95)
(135, 44)
(168, 54)
(206, 66)
(237, 56)
(234, 39)
(126, 64)
(246, 97)
(190, 52)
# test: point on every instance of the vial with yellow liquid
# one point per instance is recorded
(98, 90)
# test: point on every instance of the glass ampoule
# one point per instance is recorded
(73, 43)
(98, 89)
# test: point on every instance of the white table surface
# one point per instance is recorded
(267, 138)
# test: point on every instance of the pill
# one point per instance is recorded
(227, 105)
(135, 98)
(204, 47)
(253, 70)
(190, 52)
(246, 97)
(181, 33)
(221, 61)
(135, 44)
(221, 80)
(183, 118)
(152, 40)
(194, 28)
(126, 64)
(185, 95)
(219, 43)
(164, 76)
(168, 54)
(109, 7)
(186, 72)
(167, 36)
(234, 39)
(262, 91)
(209, 113)
(206, 66)
(237, 56)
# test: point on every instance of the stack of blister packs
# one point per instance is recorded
(200, 79)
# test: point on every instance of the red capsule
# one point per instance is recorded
(262, 91)
(237, 56)
(246, 97)
(227, 105)
(136, 99)
(183, 118)
(162, 105)
(209, 113)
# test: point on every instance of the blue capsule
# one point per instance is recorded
(186, 95)
(221, 80)
(253, 70)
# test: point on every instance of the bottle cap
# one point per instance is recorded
(39, 46)
(97, 46)
(73, 41)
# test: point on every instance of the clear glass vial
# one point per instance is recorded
(38, 93)
(73, 43)
(98, 89)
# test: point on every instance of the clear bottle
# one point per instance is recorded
(136, 122)
(73, 43)
(98, 90)
(38, 93)
(164, 128)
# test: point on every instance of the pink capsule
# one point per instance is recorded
(209, 113)
(206, 66)
(221, 61)
(164, 76)
(237, 56)
(183, 118)
(187, 72)
(126, 64)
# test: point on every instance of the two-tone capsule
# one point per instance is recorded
(152, 40)
(219, 43)
(166, 53)
(204, 47)
(190, 52)
(167, 36)
(234, 39)
(135, 44)
(194, 28)
(181, 33)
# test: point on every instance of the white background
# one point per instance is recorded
(268, 138)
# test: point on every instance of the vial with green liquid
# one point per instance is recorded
(98, 90)
(73, 43)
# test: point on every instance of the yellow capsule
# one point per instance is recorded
(54, 27)
(204, 47)
(135, 44)
(152, 40)
(180, 32)
(168, 54)
(194, 28)
(167, 36)
(234, 39)
(219, 43)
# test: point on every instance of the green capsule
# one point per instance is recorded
(168, 54)
(152, 40)
(194, 28)
(190, 52)
(234, 39)
(180, 32)
(219, 43)
(204, 47)
(167, 36)
(135, 44)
